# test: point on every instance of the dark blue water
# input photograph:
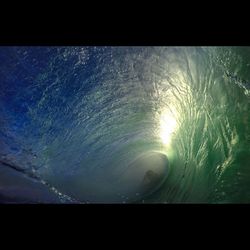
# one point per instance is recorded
(75, 121)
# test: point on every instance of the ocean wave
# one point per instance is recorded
(80, 117)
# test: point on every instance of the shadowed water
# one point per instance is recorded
(83, 123)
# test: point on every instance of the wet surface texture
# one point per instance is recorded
(125, 124)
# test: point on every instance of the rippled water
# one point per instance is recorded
(76, 118)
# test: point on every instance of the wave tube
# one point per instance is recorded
(124, 124)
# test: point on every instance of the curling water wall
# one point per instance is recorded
(79, 118)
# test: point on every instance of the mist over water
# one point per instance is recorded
(78, 119)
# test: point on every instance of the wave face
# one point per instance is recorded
(76, 118)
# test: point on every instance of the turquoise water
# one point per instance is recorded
(77, 117)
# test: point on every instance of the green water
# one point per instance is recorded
(87, 113)
(211, 149)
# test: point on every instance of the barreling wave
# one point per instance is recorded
(80, 116)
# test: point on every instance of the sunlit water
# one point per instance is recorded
(76, 118)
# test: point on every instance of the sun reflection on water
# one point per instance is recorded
(168, 126)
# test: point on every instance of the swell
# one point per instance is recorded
(89, 112)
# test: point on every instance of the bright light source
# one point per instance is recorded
(168, 125)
